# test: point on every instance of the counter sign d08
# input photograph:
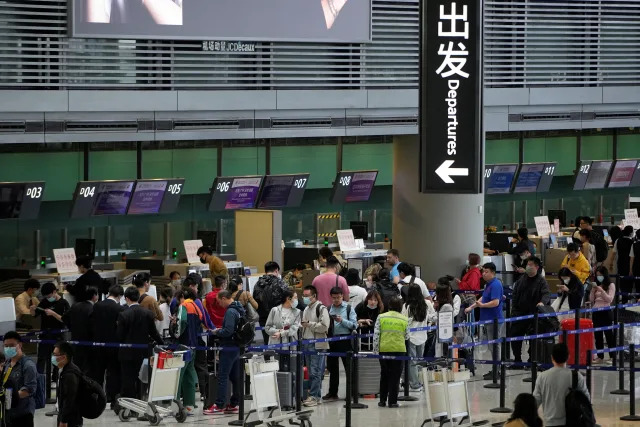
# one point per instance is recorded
(450, 96)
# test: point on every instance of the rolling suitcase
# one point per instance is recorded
(586, 339)
(212, 386)
(285, 390)
(368, 373)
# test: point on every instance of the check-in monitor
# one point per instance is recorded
(283, 191)
(535, 177)
(501, 179)
(230, 193)
(623, 173)
(20, 200)
(360, 229)
(353, 186)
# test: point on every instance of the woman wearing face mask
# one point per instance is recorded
(602, 294)
(176, 280)
(283, 323)
(571, 288)
(367, 313)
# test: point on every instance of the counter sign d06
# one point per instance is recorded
(450, 96)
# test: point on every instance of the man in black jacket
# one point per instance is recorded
(104, 324)
(135, 326)
(68, 386)
(51, 304)
(530, 291)
(78, 320)
(89, 279)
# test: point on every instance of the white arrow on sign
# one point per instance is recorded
(445, 171)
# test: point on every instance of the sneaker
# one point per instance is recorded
(213, 410)
(382, 404)
(311, 402)
(597, 361)
(488, 376)
(418, 389)
(330, 397)
(394, 405)
(231, 409)
(191, 411)
(308, 400)
(51, 413)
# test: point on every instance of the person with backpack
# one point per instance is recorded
(408, 277)
(315, 325)
(283, 324)
(68, 389)
(20, 378)
(215, 310)
(230, 363)
(269, 291)
(344, 322)
(243, 297)
(328, 280)
(553, 386)
(386, 288)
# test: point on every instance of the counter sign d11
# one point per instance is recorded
(450, 96)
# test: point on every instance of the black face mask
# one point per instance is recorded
(202, 260)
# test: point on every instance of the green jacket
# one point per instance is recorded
(390, 333)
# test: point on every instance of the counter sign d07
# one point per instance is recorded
(450, 96)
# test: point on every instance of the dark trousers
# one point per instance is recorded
(333, 365)
(105, 361)
(626, 286)
(25, 420)
(82, 358)
(519, 329)
(229, 371)
(603, 318)
(390, 373)
(129, 370)
(202, 372)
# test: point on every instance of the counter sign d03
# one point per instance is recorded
(450, 96)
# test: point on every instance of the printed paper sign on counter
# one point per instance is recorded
(556, 225)
(65, 260)
(346, 240)
(191, 249)
(631, 215)
(542, 226)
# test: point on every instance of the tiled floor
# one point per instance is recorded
(608, 407)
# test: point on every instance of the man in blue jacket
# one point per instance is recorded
(229, 357)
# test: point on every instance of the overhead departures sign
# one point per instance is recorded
(450, 96)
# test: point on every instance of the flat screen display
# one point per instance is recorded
(280, 191)
(598, 174)
(113, 198)
(235, 20)
(20, 200)
(147, 197)
(623, 173)
(501, 179)
(352, 187)
(230, 193)
(529, 178)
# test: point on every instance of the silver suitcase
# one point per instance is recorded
(368, 376)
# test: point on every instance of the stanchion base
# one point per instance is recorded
(498, 424)
(357, 406)
(492, 386)
(527, 380)
(481, 423)
(621, 392)
(236, 423)
(630, 418)
(501, 410)
(407, 399)
(248, 397)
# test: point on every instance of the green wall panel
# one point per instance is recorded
(61, 171)
(597, 147)
(243, 161)
(112, 165)
(561, 150)
(370, 156)
(157, 164)
(318, 160)
(501, 151)
(628, 146)
(198, 166)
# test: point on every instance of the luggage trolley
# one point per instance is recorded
(163, 386)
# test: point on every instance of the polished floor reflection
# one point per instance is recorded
(609, 408)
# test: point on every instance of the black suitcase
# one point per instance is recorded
(212, 390)
(544, 348)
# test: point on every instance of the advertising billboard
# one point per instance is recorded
(246, 20)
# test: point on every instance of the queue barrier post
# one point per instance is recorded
(356, 391)
(347, 406)
(588, 376)
(576, 339)
(241, 373)
(632, 386)
(508, 326)
(502, 409)
(621, 390)
(494, 357)
(299, 374)
(48, 373)
(533, 354)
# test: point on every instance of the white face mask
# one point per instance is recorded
(566, 281)
(294, 303)
(600, 278)
(176, 282)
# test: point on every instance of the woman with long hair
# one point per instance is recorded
(367, 313)
(525, 412)
(570, 288)
(419, 315)
(602, 293)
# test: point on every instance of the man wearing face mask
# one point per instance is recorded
(216, 265)
(51, 304)
(530, 291)
(315, 323)
(68, 387)
(19, 382)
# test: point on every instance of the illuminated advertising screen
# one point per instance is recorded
(353, 186)
(623, 173)
(501, 179)
(240, 20)
(147, 197)
(113, 198)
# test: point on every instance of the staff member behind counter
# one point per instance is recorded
(216, 265)
(27, 302)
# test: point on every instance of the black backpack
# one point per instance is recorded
(92, 399)
(245, 331)
(387, 293)
(579, 410)
(547, 324)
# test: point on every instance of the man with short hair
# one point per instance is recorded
(143, 282)
(344, 323)
(315, 324)
(329, 280)
(529, 292)
(393, 262)
(78, 320)
(552, 387)
(21, 376)
(230, 363)
(215, 310)
(27, 301)
(104, 323)
(269, 291)
(88, 279)
(50, 325)
(216, 265)
(407, 272)
(576, 262)
(597, 239)
(135, 326)
(69, 414)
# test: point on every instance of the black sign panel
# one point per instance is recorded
(353, 186)
(582, 175)
(450, 96)
(21, 199)
(172, 195)
(598, 175)
(283, 191)
(95, 198)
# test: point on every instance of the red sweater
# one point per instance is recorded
(471, 280)
(216, 312)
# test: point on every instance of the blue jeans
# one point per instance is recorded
(229, 371)
(316, 369)
(414, 351)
